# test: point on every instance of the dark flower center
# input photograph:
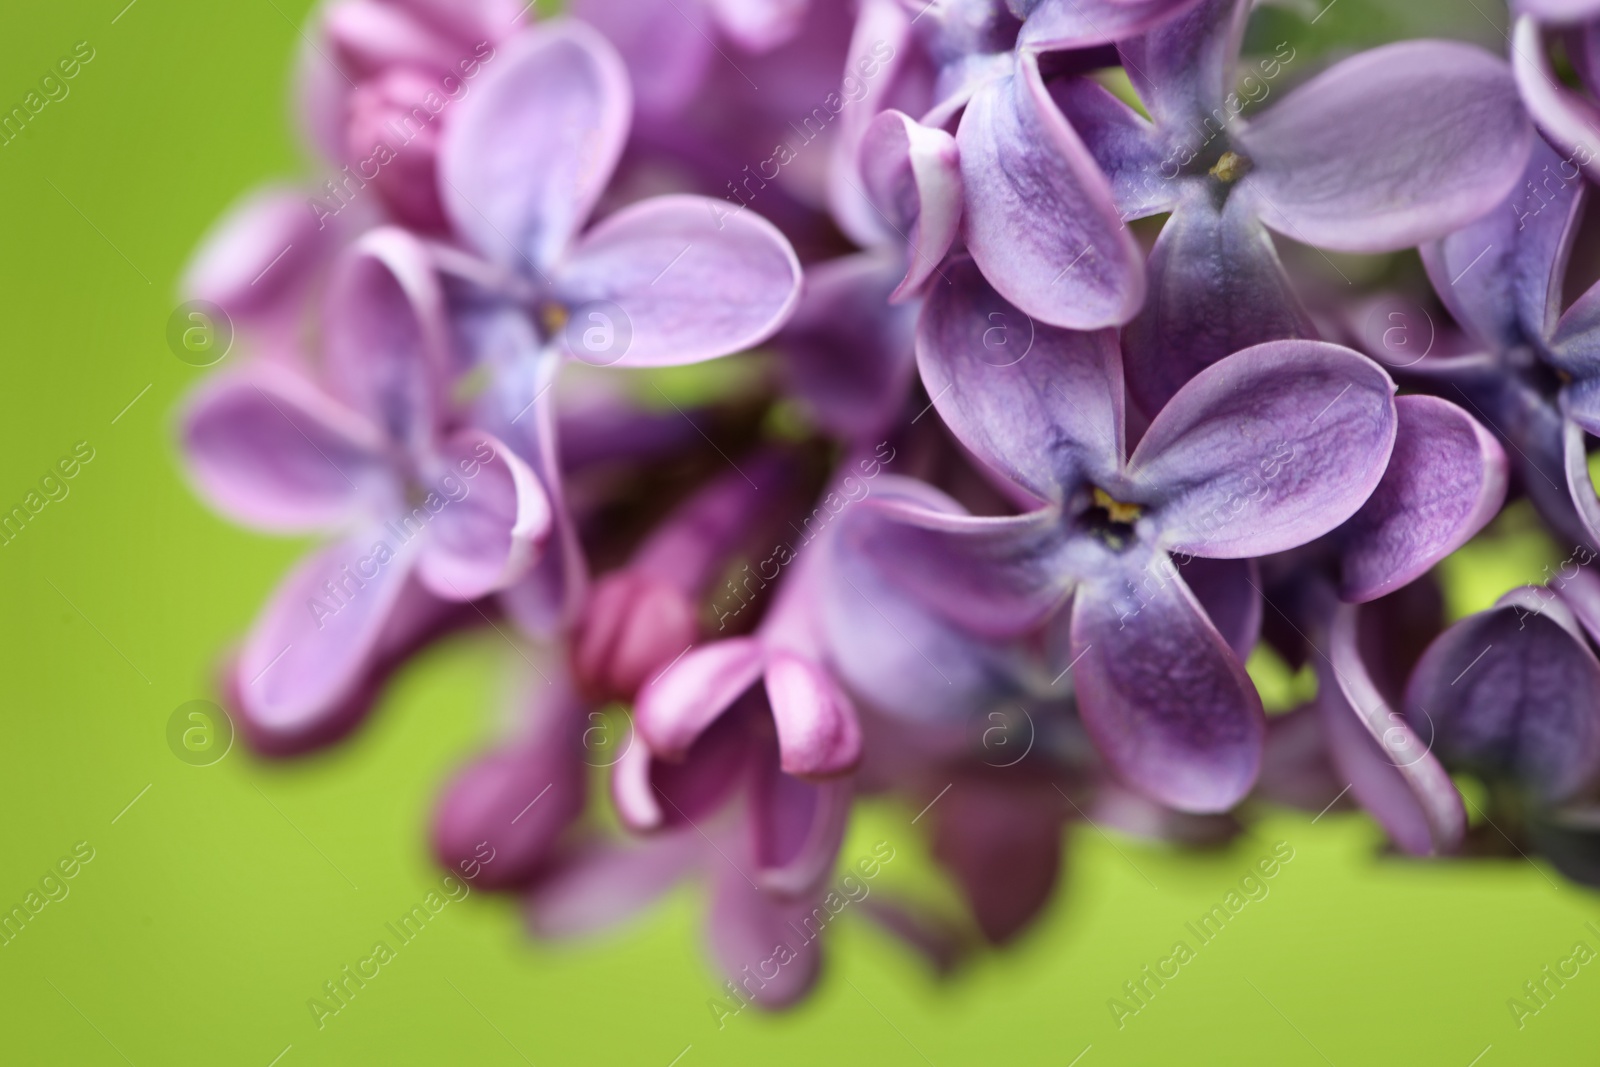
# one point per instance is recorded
(1111, 520)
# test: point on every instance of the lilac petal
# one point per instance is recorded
(1296, 770)
(1124, 144)
(484, 540)
(1055, 25)
(675, 707)
(1580, 486)
(1002, 842)
(913, 175)
(272, 451)
(890, 650)
(1560, 11)
(693, 279)
(666, 49)
(371, 35)
(1040, 218)
(633, 625)
(1041, 405)
(527, 155)
(1569, 120)
(386, 335)
(1501, 276)
(884, 28)
(759, 25)
(313, 644)
(1575, 345)
(1216, 286)
(1183, 68)
(1267, 449)
(602, 885)
(1389, 767)
(502, 814)
(752, 933)
(258, 259)
(1390, 148)
(995, 576)
(1163, 697)
(1229, 591)
(796, 828)
(1446, 480)
(818, 735)
(847, 355)
(1513, 690)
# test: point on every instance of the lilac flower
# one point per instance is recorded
(1273, 447)
(1531, 370)
(372, 455)
(523, 164)
(1385, 150)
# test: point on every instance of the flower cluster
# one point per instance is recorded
(1050, 407)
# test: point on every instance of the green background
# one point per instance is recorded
(221, 900)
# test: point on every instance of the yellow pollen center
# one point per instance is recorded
(1231, 167)
(1119, 512)
(554, 317)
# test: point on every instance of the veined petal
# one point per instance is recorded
(1501, 275)
(677, 279)
(1125, 145)
(1163, 697)
(1446, 479)
(1513, 691)
(1390, 148)
(1216, 286)
(272, 451)
(526, 156)
(1183, 68)
(1040, 218)
(1041, 405)
(995, 576)
(1267, 449)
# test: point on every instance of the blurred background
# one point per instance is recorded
(217, 899)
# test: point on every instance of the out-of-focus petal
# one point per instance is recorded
(526, 156)
(483, 540)
(1163, 697)
(312, 645)
(1268, 449)
(1229, 591)
(755, 942)
(817, 730)
(1053, 25)
(386, 335)
(602, 885)
(796, 828)
(759, 25)
(677, 705)
(1002, 841)
(847, 355)
(666, 48)
(1571, 121)
(1042, 406)
(1446, 479)
(1392, 147)
(1040, 218)
(677, 279)
(260, 257)
(271, 450)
